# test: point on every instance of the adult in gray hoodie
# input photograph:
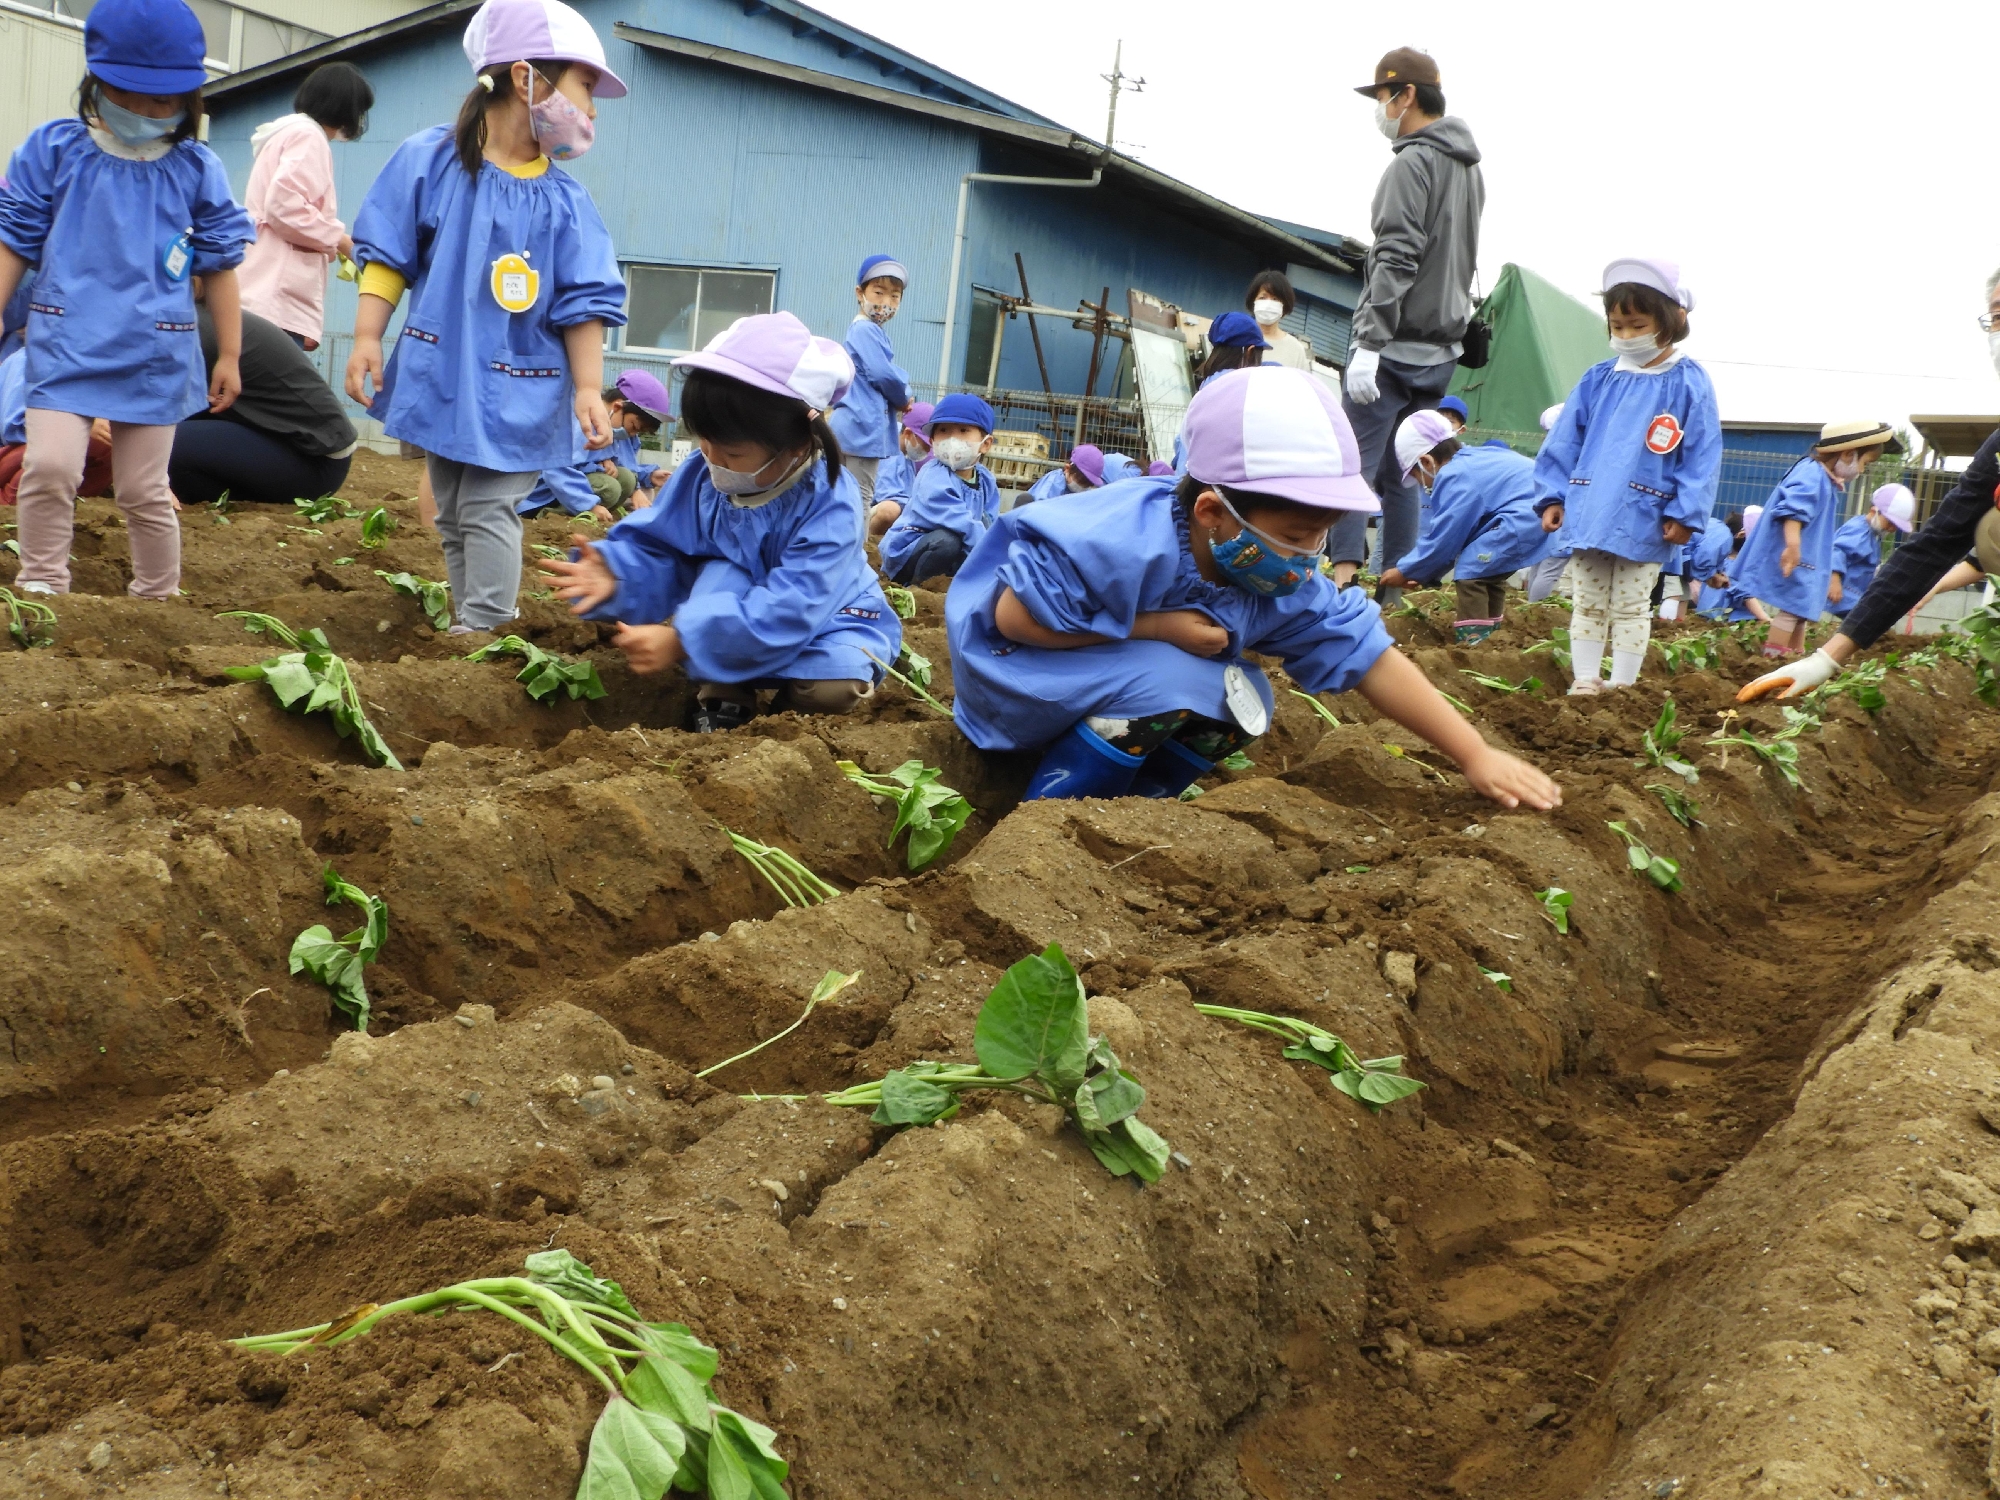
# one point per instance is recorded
(1417, 296)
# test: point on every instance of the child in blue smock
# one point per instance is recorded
(1707, 563)
(865, 422)
(896, 479)
(1787, 565)
(607, 483)
(119, 207)
(1084, 470)
(512, 280)
(1114, 637)
(954, 499)
(1857, 546)
(1479, 521)
(747, 572)
(1629, 470)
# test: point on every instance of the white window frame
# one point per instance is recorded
(700, 269)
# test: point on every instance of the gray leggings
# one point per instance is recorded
(482, 538)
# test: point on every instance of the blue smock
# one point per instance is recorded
(1614, 488)
(1857, 553)
(1118, 466)
(1708, 553)
(868, 421)
(14, 398)
(116, 243)
(569, 486)
(777, 593)
(941, 501)
(1807, 494)
(1479, 519)
(1051, 486)
(1095, 568)
(468, 380)
(896, 479)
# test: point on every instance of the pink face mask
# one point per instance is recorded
(562, 130)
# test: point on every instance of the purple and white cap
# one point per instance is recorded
(1898, 504)
(776, 352)
(511, 31)
(1276, 431)
(1421, 431)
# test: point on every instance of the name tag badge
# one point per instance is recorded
(515, 286)
(1663, 434)
(1246, 705)
(177, 258)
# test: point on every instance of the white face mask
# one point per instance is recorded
(955, 453)
(750, 489)
(1392, 128)
(1846, 467)
(1642, 350)
(1993, 348)
(1267, 311)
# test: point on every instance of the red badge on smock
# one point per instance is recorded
(1663, 434)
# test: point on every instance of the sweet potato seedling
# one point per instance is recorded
(310, 678)
(831, 984)
(1317, 707)
(376, 526)
(901, 600)
(433, 597)
(1032, 1038)
(931, 812)
(795, 884)
(1780, 751)
(1500, 980)
(915, 666)
(917, 689)
(1683, 808)
(1501, 684)
(660, 1428)
(30, 622)
(1663, 872)
(325, 508)
(337, 962)
(1556, 903)
(1696, 653)
(1375, 1082)
(1658, 744)
(545, 672)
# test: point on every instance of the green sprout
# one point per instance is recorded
(337, 962)
(545, 672)
(1556, 904)
(795, 884)
(1663, 872)
(29, 621)
(434, 598)
(932, 813)
(310, 678)
(1374, 1082)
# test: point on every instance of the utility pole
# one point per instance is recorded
(1120, 83)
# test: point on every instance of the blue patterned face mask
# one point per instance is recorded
(1255, 562)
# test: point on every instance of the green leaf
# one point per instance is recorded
(1358, 869)
(1664, 873)
(1236, 760)
(1386, 1088)
(376, 526)
(916, 667)
(562, 1272)
(676, 1342)
(433, 597)
(1503, 981)
(1109, 1094)
(1317, 707)
(337, 966)
(1145, 1147)
(1034, 1023)
(910, 1100)
(1683, 808)
(1555, 906)
(901, 600)
(660, 1385)
(633, 1454)
(1638, 856)
(374, 932)
(754, 1445)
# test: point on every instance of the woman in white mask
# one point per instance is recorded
(1269, 300)
(1914, 566)
(1788, 561)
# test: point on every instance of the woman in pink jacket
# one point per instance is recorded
(291, 200)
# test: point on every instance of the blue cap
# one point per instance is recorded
(881, 265)
(147, 46)
(1456, 407)
(1236, 330)
(961, 407)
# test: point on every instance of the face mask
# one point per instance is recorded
(915, 451)
(1255, 563)
(1642, 350)
(749, 488)
(1076, 486)
(877, 312)
(1846, 467)
(1267, 311)
(563, 131)
(1993, 349)
(955, 453)
(136, 129)
(1390, 128)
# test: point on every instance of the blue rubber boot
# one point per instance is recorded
(1169, 771)
(1082, 764)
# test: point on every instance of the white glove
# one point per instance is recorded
(1361, 367)
(1792, 679)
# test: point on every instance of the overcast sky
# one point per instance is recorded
(1828, 177)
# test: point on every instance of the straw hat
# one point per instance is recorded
(1839, 437)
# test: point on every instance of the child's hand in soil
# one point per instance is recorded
(1189, 629)
(1510, 781)
(649, 648)
(583, 584)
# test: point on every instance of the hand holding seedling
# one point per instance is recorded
(649, 649)
(1189, 629)
(1395, 686)
(584, 583)
(1392, 578)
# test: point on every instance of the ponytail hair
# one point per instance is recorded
(495, 87)
(722, 410)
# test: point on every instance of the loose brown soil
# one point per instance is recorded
(1676, 1185)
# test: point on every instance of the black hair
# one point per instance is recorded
(1430, 99)
(337, 96)
(728, 411)
(647, 420)
(1227, 357)
(470, 132)
(190, 102)
(1667, 314)
(1247, 503)
(1445, 451)
(1278, 284)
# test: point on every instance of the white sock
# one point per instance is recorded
(1625, 667)
(1586, 657)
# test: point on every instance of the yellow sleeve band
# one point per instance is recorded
(378, 280)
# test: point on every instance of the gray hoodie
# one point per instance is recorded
(1425, 222)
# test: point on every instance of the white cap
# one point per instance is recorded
(1752, 514)
(1897, 504)
(1420, 432)
(1552, 416)
(1661, 275)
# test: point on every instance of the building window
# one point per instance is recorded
(675, 309)
(983, 332)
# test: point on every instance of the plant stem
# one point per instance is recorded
(820, 992)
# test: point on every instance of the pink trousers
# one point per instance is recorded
(46, 512)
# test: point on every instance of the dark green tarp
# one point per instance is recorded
(1543, 341)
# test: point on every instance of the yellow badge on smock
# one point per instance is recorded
(515, 286)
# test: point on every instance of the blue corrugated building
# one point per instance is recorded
(765, 148)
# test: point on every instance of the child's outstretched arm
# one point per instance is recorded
(584, 343)
(225, 306)
(1396, 687)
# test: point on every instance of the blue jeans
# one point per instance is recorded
(1405, 389)
(940, 552)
